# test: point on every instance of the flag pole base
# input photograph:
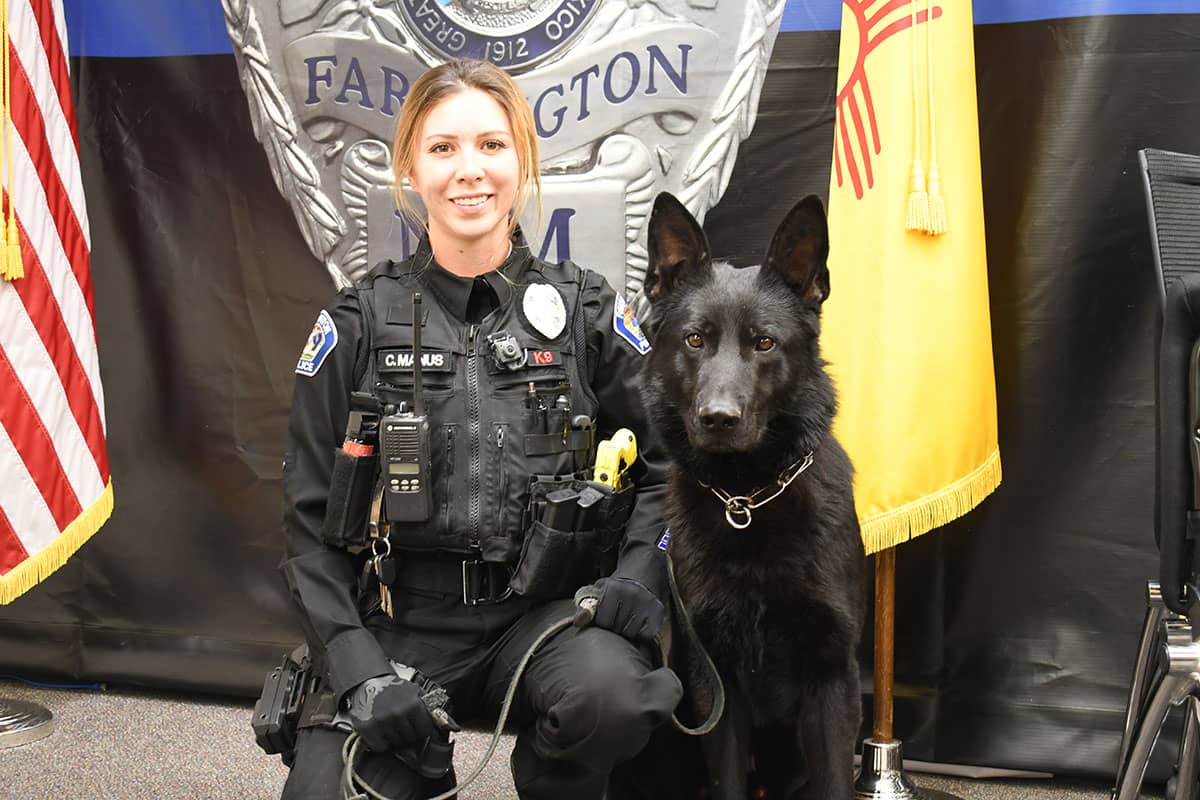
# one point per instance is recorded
(22, 722)
(882, 776)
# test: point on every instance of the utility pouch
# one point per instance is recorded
(572, 537)
(554, 563)
(349, 504)
(277, 710)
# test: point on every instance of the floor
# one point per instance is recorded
(115, 744)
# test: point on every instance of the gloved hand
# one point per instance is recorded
(628, 607)
(389, 714)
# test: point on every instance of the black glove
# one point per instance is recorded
(389, 714)
(628, 607)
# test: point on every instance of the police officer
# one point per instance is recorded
(521, 361)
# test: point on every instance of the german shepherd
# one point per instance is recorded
(763, 531)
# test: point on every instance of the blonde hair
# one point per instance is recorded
(446, 80)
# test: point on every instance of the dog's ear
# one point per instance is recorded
(676, 244)
(799, 251)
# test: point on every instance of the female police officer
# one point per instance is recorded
(521, 361)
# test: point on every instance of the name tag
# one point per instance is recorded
(402, 361)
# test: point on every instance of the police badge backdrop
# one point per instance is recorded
(1016, 624)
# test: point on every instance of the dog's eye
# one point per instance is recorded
(764, 344)
(694, 340)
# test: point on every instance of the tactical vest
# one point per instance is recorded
(493, 426)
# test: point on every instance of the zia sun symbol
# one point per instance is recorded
(875, 21)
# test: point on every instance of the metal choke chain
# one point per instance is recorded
(738, 506)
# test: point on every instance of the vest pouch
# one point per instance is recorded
(573, 534)
(349, 503)
(554, 563)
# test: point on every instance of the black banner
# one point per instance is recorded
(1017, 625)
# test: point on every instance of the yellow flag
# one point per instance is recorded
(906, 327)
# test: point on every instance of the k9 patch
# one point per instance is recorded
(627, 327)
(320, 344)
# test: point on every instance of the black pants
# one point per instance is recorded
(589, 699)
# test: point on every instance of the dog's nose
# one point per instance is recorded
(719, 416)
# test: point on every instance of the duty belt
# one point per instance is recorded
(478, 582)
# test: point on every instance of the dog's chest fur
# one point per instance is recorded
(765, 602)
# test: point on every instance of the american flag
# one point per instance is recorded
(55, 488)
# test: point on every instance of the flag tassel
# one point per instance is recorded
(937, 203)
(918, 199)
(11, 266)
(14, 266)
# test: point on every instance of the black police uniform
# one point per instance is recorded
(590, 699)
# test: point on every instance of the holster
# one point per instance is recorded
(573, 530)
(277, 710)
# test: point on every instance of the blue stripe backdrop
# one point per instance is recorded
(195, 27)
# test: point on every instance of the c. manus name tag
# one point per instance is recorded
(402, 361)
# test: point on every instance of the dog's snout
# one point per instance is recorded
(720, 416)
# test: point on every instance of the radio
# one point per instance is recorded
(404, 447)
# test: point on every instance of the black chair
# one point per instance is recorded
(1167, 672)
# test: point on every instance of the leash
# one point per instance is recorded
(352, 781)
(355, 787)
(718, 708)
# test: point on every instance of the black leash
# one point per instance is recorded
(355, 787)
(714, 715)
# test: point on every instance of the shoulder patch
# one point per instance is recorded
(627, 327)
(664, 541)
(320, 344)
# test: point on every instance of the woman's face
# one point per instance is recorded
(465, 169)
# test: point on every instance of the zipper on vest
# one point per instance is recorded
(501, 522)
(447, 517)
(473, 432)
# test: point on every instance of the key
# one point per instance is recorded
(385, 571)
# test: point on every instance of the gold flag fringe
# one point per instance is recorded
(918, 200)
(42, 564)
(898, 525)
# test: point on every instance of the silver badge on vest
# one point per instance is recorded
(544, 309)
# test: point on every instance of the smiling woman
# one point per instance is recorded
(465, 142)
(466, 171)
(468, 560)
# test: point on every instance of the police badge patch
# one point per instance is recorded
(543, 308)
(320, 344)
(627, 327)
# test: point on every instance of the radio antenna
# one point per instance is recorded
(418, 406)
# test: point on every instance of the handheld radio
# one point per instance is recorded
(404, 447)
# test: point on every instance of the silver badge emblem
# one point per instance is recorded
(543, 307)
(629, 98)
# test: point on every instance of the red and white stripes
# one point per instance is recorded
(55, 488)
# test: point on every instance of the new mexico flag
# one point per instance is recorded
(906, 327)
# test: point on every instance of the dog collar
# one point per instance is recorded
(738, 507)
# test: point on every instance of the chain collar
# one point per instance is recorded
(738, 507)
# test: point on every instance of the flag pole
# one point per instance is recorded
(22, 722)
(882, 776)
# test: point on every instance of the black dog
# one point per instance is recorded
(764, 535)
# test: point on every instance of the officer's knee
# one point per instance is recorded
(608, 712)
